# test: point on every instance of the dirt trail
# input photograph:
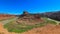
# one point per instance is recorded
(8, 20)
(48, 29)
(54, 21)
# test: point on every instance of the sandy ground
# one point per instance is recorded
(48, 29)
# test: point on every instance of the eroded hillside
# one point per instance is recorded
(6, 16)
(27, 23)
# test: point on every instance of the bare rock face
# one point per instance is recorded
(29, 18)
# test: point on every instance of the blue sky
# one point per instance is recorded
(32, 6)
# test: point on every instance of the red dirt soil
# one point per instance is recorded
(48, 29)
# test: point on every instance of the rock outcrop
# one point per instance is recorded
(29, 18)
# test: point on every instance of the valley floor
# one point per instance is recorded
(48, 29)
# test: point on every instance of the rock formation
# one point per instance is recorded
(29, 18)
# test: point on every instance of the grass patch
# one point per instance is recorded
(19, 28)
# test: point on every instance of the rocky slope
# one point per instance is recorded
(29, 18)
(52, 15)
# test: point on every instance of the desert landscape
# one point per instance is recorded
(28, 23)
(29, 16)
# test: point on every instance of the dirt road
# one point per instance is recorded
(5, 31)
(8, 20)
(54, 21)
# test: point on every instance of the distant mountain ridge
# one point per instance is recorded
(52, 15)
(6, 16)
